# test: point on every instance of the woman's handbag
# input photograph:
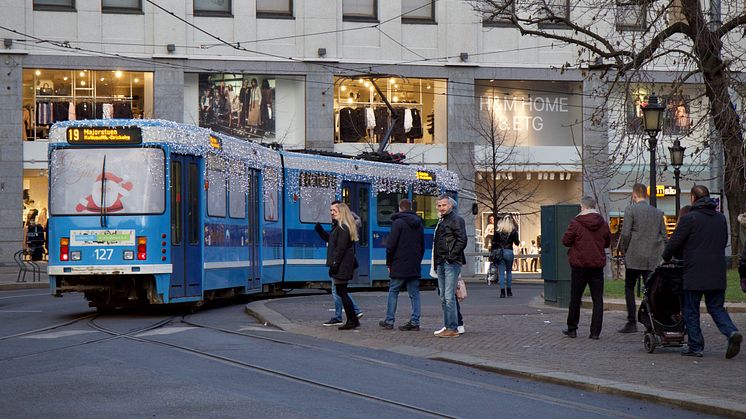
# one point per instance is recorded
(45, 90)
(461, 293)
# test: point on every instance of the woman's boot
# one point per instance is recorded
(351, 324)
(510, 293)
(502, 292)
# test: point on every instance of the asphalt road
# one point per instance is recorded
(58, 358)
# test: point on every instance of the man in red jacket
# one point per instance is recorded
(587, 236)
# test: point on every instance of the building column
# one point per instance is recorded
(168, 91)
(595, 147)
(11, 156)
(462, 112)
(320, 110)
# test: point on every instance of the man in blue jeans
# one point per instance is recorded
(405, 247)
(337, 319)
(700, 237)
(448, 257)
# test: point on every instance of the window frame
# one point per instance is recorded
(389, 222)
(414, 207)
(122, 10)
(361, 18)
(421, 20)
(55, 7)
(222, 170)
(500, 22)
(316, 181)
(212, 13)
(234, 188)
(558, 25)
(669, 126)
(629, 3)
(276, 15)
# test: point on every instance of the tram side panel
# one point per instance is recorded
(271, 220)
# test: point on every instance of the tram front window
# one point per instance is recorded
(124, 181)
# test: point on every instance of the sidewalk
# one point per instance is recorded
(522, 337)
(9, 277)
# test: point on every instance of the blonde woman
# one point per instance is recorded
(506, 234)
(341, 260)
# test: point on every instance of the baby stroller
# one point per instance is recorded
(660, 310)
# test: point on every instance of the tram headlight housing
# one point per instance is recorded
(75, 255)
(128, 255)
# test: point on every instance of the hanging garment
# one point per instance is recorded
(84, 110)
(71, 111)
(44, 113)
(347, 132)
(122, 110)
(398, 134)
(255, 103)
(60, 111)
(416, 131)
(26, 123)
(108, 111)
(382, 121)
(407, 120)
(358, 117)
(370, 118)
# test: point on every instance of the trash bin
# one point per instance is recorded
(555, 269)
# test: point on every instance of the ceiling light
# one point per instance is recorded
(64, 78)
(343, 88)
(137, 80)
(82, 82)
(38, 72)
(118, 74)
(82, 74)
(101, 79)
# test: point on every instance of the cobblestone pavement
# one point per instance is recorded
(524, 333)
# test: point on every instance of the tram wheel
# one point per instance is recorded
(650, 342)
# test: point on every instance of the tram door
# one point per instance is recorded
(357, 196)
(254, 281)
(186, 253)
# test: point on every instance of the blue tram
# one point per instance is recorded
(150, 211)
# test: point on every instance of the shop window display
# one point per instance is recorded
(51, 96)
(361, 115)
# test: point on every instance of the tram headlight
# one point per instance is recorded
(128, 255)
(75, 255)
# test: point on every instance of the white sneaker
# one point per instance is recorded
(437, 332)
(461, 330)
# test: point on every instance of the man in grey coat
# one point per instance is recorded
(643, 239)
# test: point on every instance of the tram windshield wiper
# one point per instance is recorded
(102, 217)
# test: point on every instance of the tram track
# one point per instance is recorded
(46, 328)
(428, 374)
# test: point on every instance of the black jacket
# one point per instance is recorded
(500, 239)
(742, 263)
(701, 237)
(340, 252)
(405, 246)
(450, 240)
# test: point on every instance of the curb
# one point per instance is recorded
(23, 286)
(269, 317)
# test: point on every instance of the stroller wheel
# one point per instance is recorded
(650, 342)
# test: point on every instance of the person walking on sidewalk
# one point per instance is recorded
(448, 257)
(506, 235)
(341, 260)
(701, 237)
(642, 240)
(587, 236)
(337, 319)
(405, 247)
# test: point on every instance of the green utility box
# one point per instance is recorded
(555, 269)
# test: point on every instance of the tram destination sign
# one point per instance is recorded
(104, 135)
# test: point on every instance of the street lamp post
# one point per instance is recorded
(677, 160)
(652, 115)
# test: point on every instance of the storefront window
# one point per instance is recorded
(361, 116)
(258, 107)
(51, 96)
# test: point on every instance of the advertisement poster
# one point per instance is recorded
(241, 105)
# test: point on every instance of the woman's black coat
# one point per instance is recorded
(340, 252)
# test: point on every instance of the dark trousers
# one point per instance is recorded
(594, 278)
(630, 279)
(346, 303)
(714, 301)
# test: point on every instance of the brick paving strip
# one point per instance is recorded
(526, 341)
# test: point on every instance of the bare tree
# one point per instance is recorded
(496, 159)
(621, 41)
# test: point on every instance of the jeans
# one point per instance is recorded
(447, 277)
(714, 301)
(338, 303)
(505, 268)
(630, 278)
(594, 278)
(413, 289)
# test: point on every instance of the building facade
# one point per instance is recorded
(314, 75)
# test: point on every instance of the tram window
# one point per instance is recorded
(269, 183)
(425, 207)
(215, 188)
(193, 210)
(317, 191)
(388, 205)
(176, 195)
(237, 197)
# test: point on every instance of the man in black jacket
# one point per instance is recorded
(405, 247)
(700, 237)
(448, 257)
